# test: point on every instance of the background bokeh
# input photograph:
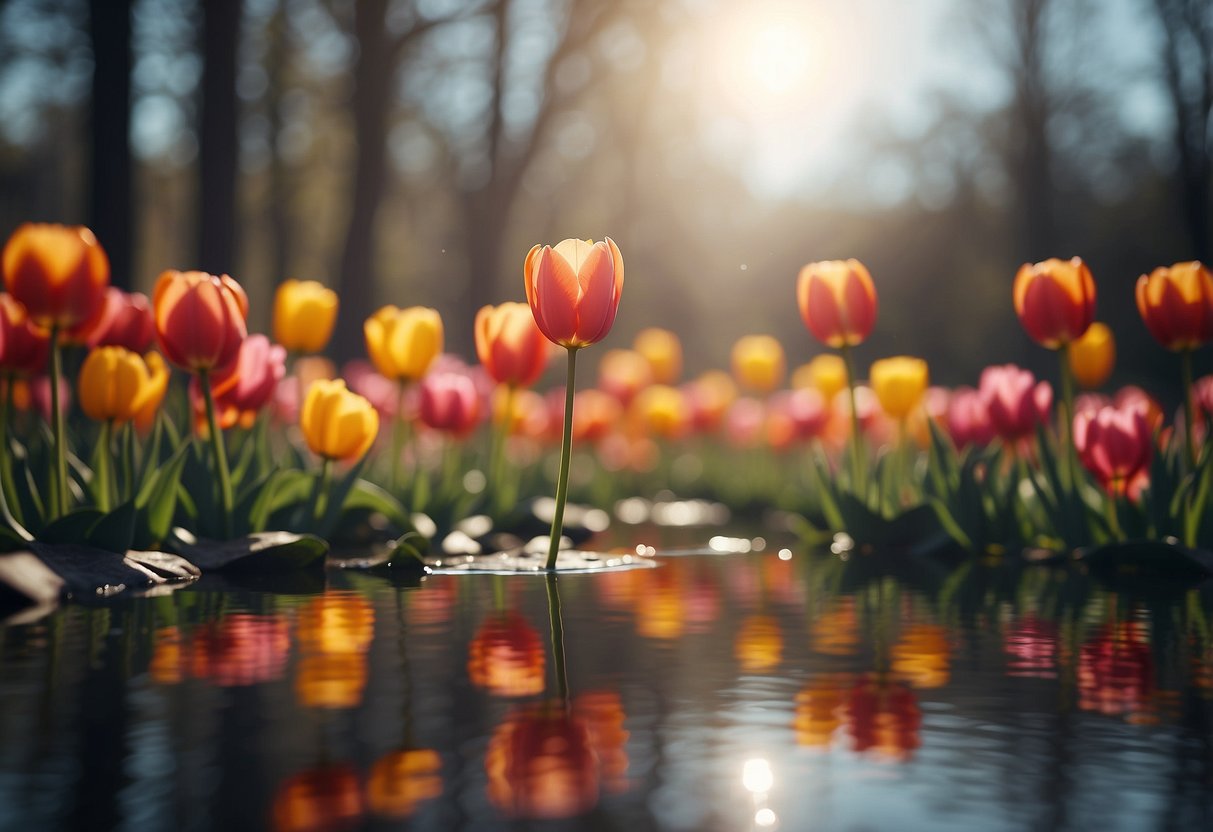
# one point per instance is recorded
(411, 151)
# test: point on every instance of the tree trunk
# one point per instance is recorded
(279, 198)
(110, 199)
(372, 89)
(218, 147)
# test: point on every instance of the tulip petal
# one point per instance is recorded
(556, 294)
(597, 305)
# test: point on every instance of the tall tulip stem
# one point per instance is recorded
(104, 472)
(1185, 361)
(501, 432)
(1065, 418)
(398, 429)
(61, 493)
(566, 451)
(225, 477)
(323, 485)
(857, 483)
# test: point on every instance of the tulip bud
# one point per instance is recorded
(510, 345)
(1055, 300)
(200, 319)
(114, 384)
(450, 403)
(1176, 304)
(899, 384)
(826, 373)
(123, 319)
(23, 347)
(1115, 444)
(304, 314)
(758, 362)
(57, 272)
(336, 423)
(837, 301)
(574, 289)
(402, 343)
(1093, 356)
(662, 350)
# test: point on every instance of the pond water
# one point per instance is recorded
(733, 692)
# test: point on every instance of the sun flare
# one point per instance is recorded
(766, 57)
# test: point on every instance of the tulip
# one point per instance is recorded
(1055, 300)
(23, 346)
(59, 274)
(883, 717)
(510, 346)
(968, 419)
(837, 301)
(200, 324)
(795, 415)
(241, 649)
(402, 344)
(623, 374)
(123, 319)
(251, 382)
(450, 403)
(826, 373)
(304, 314)
(1115, 444)
(758, 362)
(663, 410)
(1176, 304)
(595, 415)
(1014, 401)
(662, 350)
(574, 291)
(1093, 356)
(157, 387)
(899, 384)
(922, 656)
(115, 384)
(337, 424)
(709, 397)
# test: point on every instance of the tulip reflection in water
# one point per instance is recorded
(327, 797)
(506, 657)
(548, 760)
(835, 632)
(922, 656)
(759, 645)
(335, 631)
(1116, 672)
(401, 780)
(820, 708)
(1031, 647)
(240, 649)
(883, 718)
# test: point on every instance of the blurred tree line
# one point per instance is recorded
(411, 151)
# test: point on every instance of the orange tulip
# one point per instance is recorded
(323, 798)
(1176, 304)
(837, 301)
(541, 765)
(574, 290)
(1055, 300)
(623, 374)
(58, 272)
(662, 350)
(506, 657)
(200, 319)
(401, 780)
(510, 345)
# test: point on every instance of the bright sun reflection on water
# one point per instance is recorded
(756, 776)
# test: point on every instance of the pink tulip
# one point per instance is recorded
(124, 319)
(1115, 444)
(1016, 403)
(968, 419)
(450, 402)
(573, 289)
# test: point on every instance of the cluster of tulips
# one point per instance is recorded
(999, 464)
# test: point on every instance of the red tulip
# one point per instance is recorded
(1176, 304)
(510, 346)
(450, 402)
(249, 384)
(1055, 300)
(23, 347)
(574, 290)
(122, 320)
(200, 319)
(58, 272)
(541, 765)
(506, 657)
(1115, 444)
(837, 301)
(1015, 402)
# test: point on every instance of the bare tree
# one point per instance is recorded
(111, 212)
(218, 147)
(1188, 63)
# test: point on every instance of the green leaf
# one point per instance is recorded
(949, 523)
(114, 531)
(161, 505)
(283, 489)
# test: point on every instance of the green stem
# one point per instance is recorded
(398, 430)
(61, 495)
(1065, 420)
(104, 472)
(450, 469)
(220, 455)
(557, 625)
(323, 484)
(566, 451)
(857, 467)
(1185, 361)
(1113, 514)
(127, 488)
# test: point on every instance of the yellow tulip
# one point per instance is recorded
(336, 423)
(758, 362)
(827, 374)
(899, 384)
(402, 343)
(304, 314)
(663, 410)
(115, 383)
(663, 351)
(1093, 356)
(159, 375)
